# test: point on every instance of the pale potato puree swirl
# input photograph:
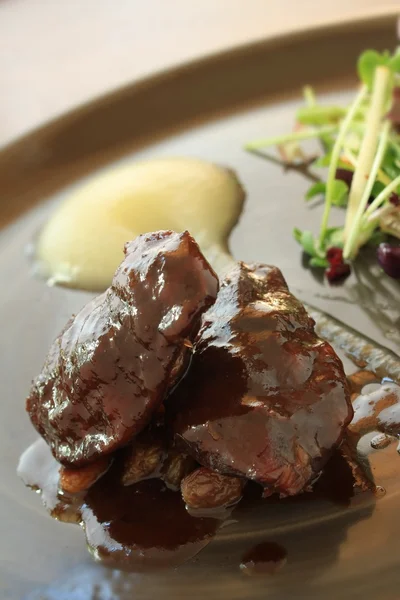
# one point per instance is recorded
(82, 243)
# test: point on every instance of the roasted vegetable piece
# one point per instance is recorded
(204, 488)
(113, 364)
(74, 481)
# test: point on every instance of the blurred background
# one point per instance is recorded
(55, 54)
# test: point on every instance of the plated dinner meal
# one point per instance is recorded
(192, 383)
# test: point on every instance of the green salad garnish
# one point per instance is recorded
(360, 148)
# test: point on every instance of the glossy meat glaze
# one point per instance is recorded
(115, 361)
(264, 398)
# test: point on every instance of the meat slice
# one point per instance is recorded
(115, 361)
(265, 398)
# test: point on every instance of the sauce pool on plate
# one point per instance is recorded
(266, 558)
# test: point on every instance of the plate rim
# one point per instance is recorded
(380, 17)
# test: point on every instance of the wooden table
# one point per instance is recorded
(55, 54)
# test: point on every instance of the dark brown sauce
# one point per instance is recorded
(376, 404)
(39, 470)
(336, 485)
(377, 408)
(266, 558)
(264, 399)
(112, 365)
(360, 379)
(146, 525)
(136, 527)
(142, 526)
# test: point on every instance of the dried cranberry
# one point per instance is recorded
(337, 269)
(344, 175)
(389, 259)
(394, 199)
(337, 272)
(334, 255)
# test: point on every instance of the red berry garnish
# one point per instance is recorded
(338, 270)
(334, 255)
(389, 259)
(336, 273)
(394, 199)
(344, 175)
